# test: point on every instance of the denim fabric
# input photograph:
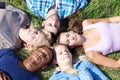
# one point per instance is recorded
(9, 64)
(87, 71)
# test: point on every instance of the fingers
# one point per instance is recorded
(52, 29)
(3, 76)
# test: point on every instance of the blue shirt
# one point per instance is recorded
(64, 7)
(9, 64)
(86, 71)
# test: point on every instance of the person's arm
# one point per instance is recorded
(95, 72)
(4, 76)
(100, 59)
(108, 20)
(4, 52)
(58, 76)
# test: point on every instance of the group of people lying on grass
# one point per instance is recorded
(98, 37)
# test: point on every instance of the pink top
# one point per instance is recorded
(110, 37)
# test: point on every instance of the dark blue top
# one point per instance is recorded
(86, 71)
(9, 64)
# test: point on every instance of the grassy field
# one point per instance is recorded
(96, 9)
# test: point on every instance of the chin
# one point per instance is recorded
(74, 44)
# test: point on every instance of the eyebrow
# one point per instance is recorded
(67, 34)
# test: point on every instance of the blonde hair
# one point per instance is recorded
(45, 43)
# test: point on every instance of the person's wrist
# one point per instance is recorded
(118, 63)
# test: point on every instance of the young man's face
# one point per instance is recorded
(52, 22)
(38, 59)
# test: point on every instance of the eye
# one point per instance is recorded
(44, 56)
(67, 42)
(32, 62)
(56, 26)
(60, 53)
(67, 35)
(49, 24)
(67, 51)
(36, 32)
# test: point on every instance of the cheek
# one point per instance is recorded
(27, 38)
(48, 21)
(72, 43)
(29, 67)
(59, 59)
(62, 40)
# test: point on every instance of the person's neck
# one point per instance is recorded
(69, 69)
(20, 63)
(85, 39)
(81, 41)
(20, 31)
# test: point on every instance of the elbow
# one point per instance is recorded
(90, 56)
(86, 22)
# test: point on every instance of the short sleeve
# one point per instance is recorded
(4, 52)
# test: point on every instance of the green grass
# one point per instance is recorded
(96, 9)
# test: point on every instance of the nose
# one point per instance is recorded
(65, 53)
(36, 32)
(53, 23)
(72, 38)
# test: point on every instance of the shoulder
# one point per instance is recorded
(58, 75)
(83, 64)
(6, 50)
(86, 22)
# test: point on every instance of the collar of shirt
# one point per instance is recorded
(64, 7)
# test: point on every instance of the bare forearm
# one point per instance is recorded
(108, 20)
(114, 19)
(103, 60)
(92, 21)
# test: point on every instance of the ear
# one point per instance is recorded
(44, 67)
(55, 62)
(43, 23)
(29, 46)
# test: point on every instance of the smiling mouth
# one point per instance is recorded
(37, 58)
(75, 37)
(66, 56)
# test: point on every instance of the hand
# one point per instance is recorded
(3, 76)
(118, 61)
(52, 29)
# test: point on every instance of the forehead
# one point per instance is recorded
(60, 48)
(45, 49)
(63, 38)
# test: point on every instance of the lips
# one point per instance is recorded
(75, 37)
(66, 56)
(37, 58)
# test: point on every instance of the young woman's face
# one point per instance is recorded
(71, 38)
(38, 59)
(63, 55)
(33, 36)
